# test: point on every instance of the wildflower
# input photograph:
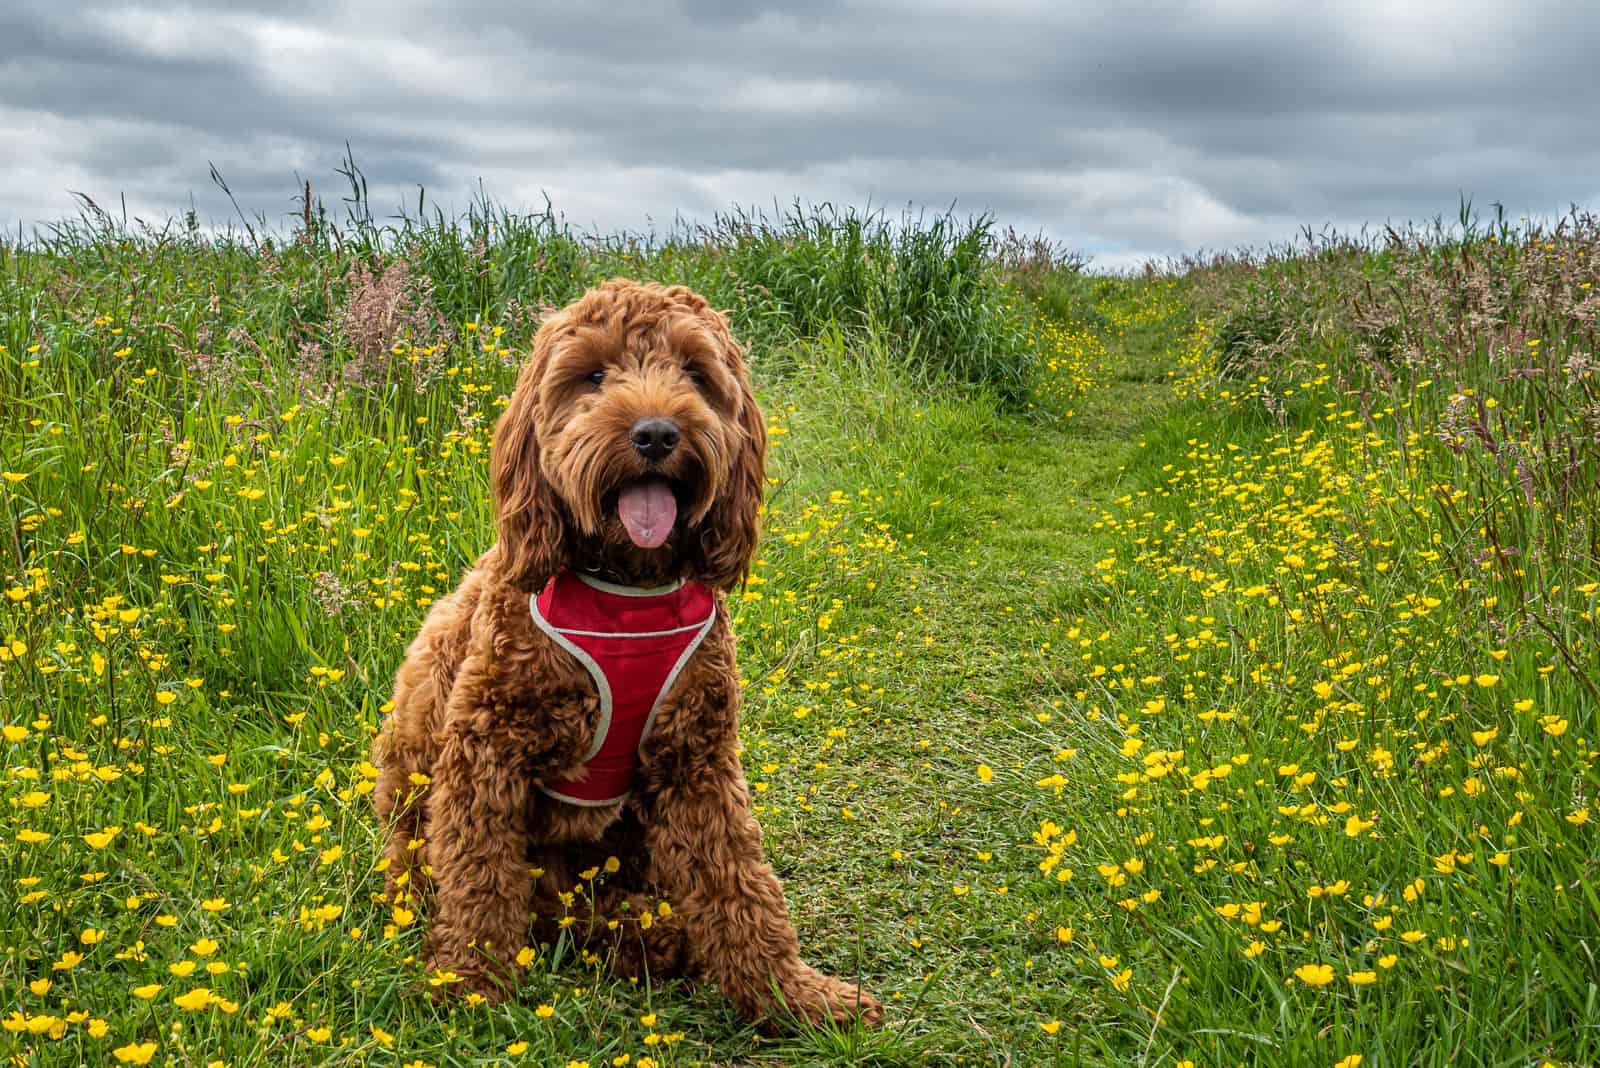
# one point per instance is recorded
(1354, 825)
(1315, 974)
(195, 1000)
(135, 1052)
(102, 838)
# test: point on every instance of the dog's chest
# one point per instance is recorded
(633, 644)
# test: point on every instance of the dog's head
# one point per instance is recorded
(631, 437)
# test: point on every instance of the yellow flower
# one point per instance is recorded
(146, 992)
(133, 1053)
(215, 904)
(1051, 1027)
(195, 1000)
(1352, 1061)
(101, 839)
(319, 1034)
(1354, 825)
(1485, 737)
(1362, 978)
(986, 774)
(165, 697)
(544, 1012)
(1315, 974)
(517, 1048)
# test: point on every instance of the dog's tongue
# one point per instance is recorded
(648, 509)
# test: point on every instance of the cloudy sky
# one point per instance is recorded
(1127, 129)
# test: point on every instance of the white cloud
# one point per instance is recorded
(1129, 130)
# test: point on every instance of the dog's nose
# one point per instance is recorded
(655, 436)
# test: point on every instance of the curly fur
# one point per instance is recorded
(486, 706)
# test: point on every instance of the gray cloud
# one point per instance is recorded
(1130, 130)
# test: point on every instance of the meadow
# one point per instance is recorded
(1193, 668)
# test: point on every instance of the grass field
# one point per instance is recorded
(1189, 669)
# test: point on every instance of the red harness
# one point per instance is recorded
(634, 643)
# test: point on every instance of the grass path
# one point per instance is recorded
(946, 910)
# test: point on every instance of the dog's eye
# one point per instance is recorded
(696, 377)
(596, 377)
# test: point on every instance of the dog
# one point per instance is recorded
(572, 706)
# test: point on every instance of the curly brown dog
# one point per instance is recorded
(575, 699)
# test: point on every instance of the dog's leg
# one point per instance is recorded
(478, 845)
(705, 848)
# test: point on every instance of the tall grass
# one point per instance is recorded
(1474, 348)
(931, 286)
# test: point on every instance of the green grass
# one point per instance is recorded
(1221, 647)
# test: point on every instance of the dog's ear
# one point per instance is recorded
(527, 512)
(729, 538)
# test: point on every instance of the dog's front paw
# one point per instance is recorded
(821, 999)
